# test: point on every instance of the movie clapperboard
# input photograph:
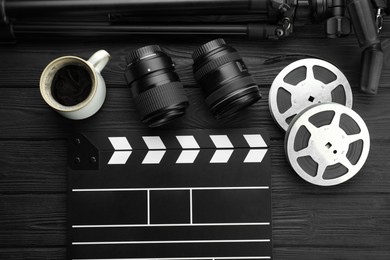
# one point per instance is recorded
(170, 194)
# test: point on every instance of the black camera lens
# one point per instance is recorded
(156, 88)
(224, 78)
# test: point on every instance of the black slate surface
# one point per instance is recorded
(203, 208)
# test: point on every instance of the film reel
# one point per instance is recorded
(304, 83)
(327, 144)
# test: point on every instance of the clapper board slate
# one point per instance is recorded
(183, 194)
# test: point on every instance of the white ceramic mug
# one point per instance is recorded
(95, 99)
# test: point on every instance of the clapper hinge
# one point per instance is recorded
(83, 155)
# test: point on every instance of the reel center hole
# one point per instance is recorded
(311, 98)
(329, 145)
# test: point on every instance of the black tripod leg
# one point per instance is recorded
(367, 34)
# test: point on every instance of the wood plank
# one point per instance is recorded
(326, 253)
(331, 220)
(286, 252)
(118, 112)
(33, 220)
(33, 166)
(300, 220)
(53, 253)
(25, 106)
(264, 59)
(40, 167)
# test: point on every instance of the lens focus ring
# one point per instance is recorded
(232, 87)
(216, 63)
(170, 93)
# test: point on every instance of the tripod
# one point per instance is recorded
(275, 19)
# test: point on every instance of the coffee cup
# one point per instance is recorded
(73, 86)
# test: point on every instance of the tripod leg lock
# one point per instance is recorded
(371, 68)
(261, 31)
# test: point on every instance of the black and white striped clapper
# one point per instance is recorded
(177, 195)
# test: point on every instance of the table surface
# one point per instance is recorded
(348, 221)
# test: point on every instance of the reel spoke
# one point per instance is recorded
(311, 128)
(302, 153)
(355, 137)
(310, 72)
(336, 120)
(288, 87)
(293, 110)
(332, 85)
(347, 164)
(320, 171)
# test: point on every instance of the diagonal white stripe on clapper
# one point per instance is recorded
(119, 157)
(120, 143)
(153, 157)
(187, 156)
(154, 142)
(221, 156)
(255, 141)
(221, 141)
(187, 142)
(255, 156)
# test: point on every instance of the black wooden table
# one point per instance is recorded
(349, 221)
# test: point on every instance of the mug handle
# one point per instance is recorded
(99, 60)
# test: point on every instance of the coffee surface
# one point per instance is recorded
(71, 85)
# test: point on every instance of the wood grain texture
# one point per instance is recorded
(26, 107)
(349, 221)
(265, 59)
(41, 168)
(53, 253)
(313, 219)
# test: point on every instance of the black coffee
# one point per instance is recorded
(71, 85)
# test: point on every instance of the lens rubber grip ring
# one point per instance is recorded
(215, 64)
(167, 95)
(229, 88)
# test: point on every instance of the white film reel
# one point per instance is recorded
(327, 144)
(304, 83)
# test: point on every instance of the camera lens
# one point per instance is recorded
(156, 88)
(224, 78)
